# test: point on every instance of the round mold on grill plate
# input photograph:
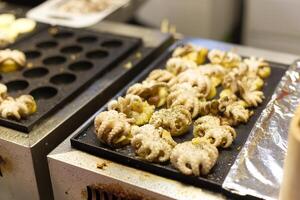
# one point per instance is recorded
(54, 60)
(63, 34)
(47, 44)
(112, 43)
(87, 39)
(71, 49)
(81, 66)
(32, 54)
(46, 92)
(36, 72)
(16, 85)
(63, 79)
(97, 54)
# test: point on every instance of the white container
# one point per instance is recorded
(49, 13)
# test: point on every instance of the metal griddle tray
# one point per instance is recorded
(86, 140)
(62, 62)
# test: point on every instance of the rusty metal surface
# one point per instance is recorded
(16, 172)
(80, 169)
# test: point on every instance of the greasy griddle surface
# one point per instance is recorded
(86, 139)
(63, 61)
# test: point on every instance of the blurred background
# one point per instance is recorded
(269, 24)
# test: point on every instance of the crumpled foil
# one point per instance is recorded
(258, 169)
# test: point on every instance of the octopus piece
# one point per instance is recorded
(149, 145)
(179, 65)
(155, 93)
(230, 79)
(226, 93)
(22, 26)
(163, 133)
(237, 112)
(27, 104)
(208, 107)
(183, 50)
(216, 56)
(204, 123)
(175, 120)
(252, 97)
(212, 70)
(258, 66)
(195, 158)
(251, 82)
(199, 56)
(3, 92)
(228, 121)
(11, 60)
(226, 59)
(10, 109)
(134, 107)
(166, 135)
(160, 75)
(196, 79)
(113, 128)
(5, 39)
(231, 60)
(226, 101)
(186, 95)
(220, 136)
(18, 108)
(191, 52)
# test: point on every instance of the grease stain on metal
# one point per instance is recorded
(119, 191)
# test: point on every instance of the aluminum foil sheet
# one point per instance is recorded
(258, 169)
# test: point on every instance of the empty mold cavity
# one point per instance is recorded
(87, 39)
(63, 35)
(54, 60)
(97, 54)
(47, 44)
(46, 92)
(62, 79)
(36, 72)
(71, 49)
(18, 85)
(81, 66)
(32, 54)
(112, 43)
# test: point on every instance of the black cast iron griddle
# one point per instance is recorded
(85, 138)
(62, 61)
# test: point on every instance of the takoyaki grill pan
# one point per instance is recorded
(85, 138)
(61, 61)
